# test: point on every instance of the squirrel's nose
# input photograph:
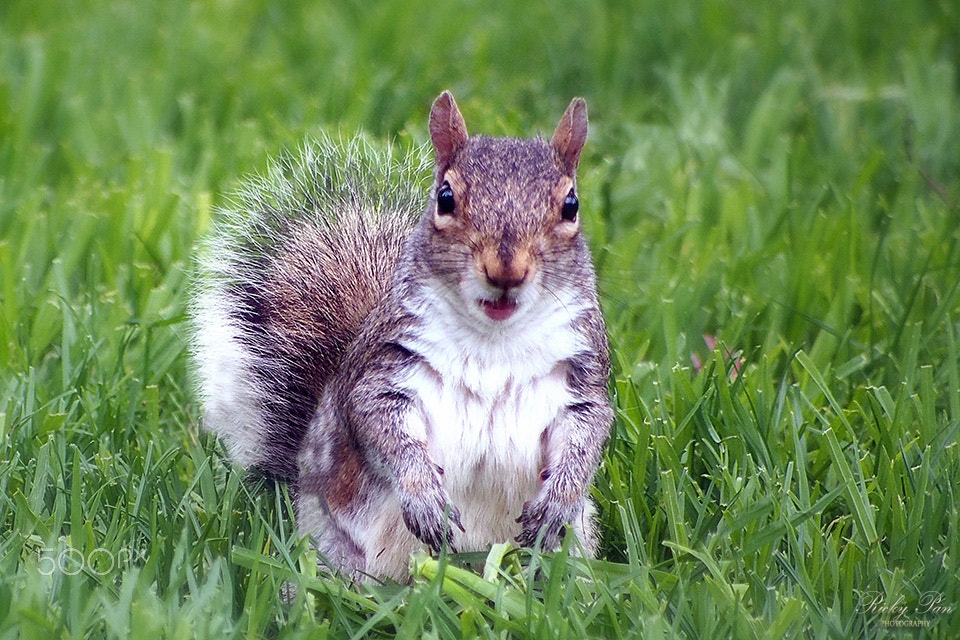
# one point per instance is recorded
(506, 276)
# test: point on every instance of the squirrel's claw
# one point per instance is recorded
(454, 516)
(428, 515)
(543, 522)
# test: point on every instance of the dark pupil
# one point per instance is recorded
(445, 199)
(570, 207)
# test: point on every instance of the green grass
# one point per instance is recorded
(784, 176)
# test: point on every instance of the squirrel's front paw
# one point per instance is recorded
(428, 513)
(545, 519)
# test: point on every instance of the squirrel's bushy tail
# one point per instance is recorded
(286, 278)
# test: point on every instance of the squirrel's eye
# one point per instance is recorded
(570, 207)
(445, 203)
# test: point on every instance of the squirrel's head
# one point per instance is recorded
(503, 221)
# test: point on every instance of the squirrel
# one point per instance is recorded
(421, 376)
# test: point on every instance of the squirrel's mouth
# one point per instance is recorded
(499, 309)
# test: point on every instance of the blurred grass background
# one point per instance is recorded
(784, 176)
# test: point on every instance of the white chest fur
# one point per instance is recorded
(486, 405)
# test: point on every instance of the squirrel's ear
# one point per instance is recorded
(448, 131)
(571, 133)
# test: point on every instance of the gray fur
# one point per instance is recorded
(342, 317)
(287, 276)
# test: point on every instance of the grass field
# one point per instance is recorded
(783, 176)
